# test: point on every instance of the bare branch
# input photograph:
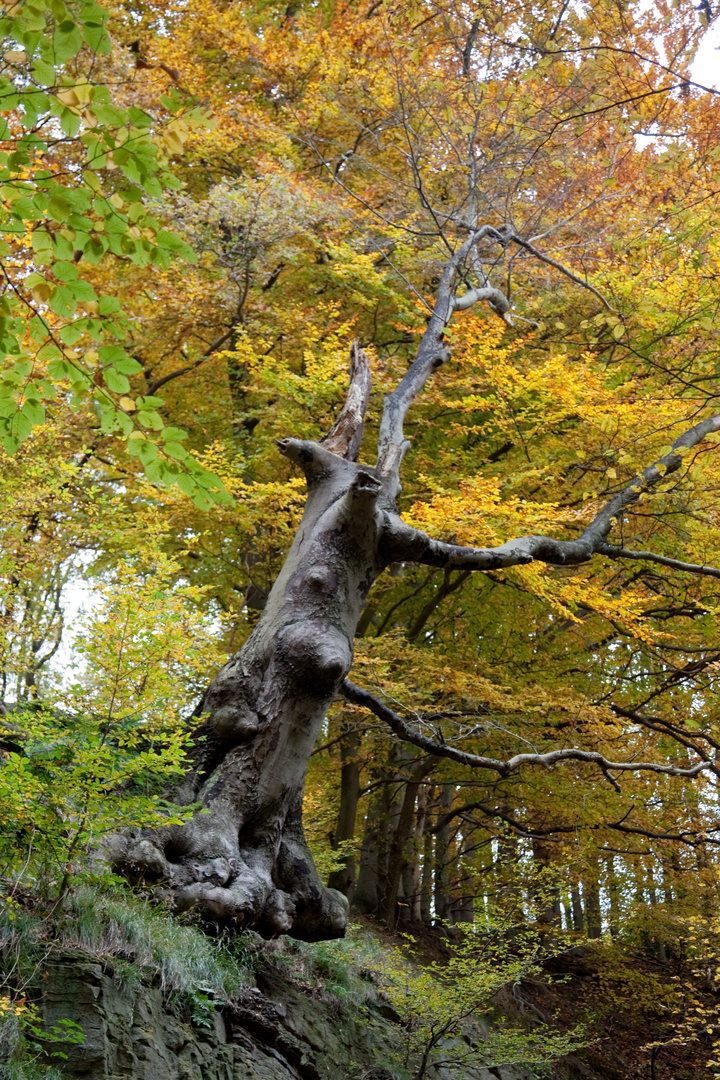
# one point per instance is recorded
(155, 385)
(692, 837)
(406, 543)
(497, 300)
(559, 266)
(431, 354)
(677, 731)
(470, 45)
(624, 553)
(664, 466)
(345, 436)
(357, 696)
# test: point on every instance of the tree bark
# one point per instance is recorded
(547, 892)
(374, 853)
(442, 856)
(245, 858)
(591, 896)
(414, 893)
(427, 875)
(578, 921)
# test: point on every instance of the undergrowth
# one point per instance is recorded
(125, 930)
(181, 955)
(340, 970)
(437, 1008)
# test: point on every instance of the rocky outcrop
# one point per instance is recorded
(275, 1030)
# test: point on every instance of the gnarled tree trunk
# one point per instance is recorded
(244, 860)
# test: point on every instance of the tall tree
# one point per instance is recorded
(492, 163)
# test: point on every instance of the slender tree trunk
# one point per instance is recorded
(547, 890)
(613, 888)
(415, 893)
(591, 894)
(463, 909)
(426, 885)
(397, 855)
(442, 856)
(344, 879)
(374, 853)
(578, 922)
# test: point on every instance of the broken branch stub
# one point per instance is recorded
(345, 436)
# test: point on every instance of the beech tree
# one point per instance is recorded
(245, 857)
(429, 177)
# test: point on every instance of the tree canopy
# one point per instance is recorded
(513, 213)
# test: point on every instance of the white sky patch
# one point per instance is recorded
(705, 67)
(80, 597)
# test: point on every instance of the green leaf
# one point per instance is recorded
(175, 450)
(21, 424)
(71, 334)
(128, 365)
(67, 40)
(82, 291)
(150, 418)
(43, 72)
(202, 501)
(42, 246)
(58, 206)
(64, 271)
(111, 354)
(124, 423)
(173, 434)
(60, 369)
(23, 366)
(116, 382)
(62, 301)
(147, 451)
(187, 484)
(34, 412)
(109, 305)
(48, 353)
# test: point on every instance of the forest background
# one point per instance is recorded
(203, 206)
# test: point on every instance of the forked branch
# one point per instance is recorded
(613, 552)
(431, 355)
(412, 545)
(432, 352)
(694, 838)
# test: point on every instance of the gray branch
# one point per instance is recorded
(496, 299)
(408, 544)
(431, 354)
(395, 722)
(613, 552)
(559, 266)
(692, 837)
